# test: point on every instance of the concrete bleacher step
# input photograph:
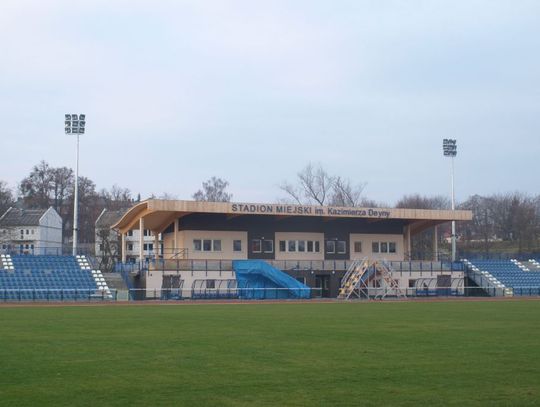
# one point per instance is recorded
(115, 281)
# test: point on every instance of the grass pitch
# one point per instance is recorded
(320, 354)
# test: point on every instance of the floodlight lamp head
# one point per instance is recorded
(68, 117)
(74, 117)
(82, 117)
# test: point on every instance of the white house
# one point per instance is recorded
(31, 231)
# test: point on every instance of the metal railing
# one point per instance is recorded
(250, 294)
(309, 265)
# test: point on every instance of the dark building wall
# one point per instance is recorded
(264, 226)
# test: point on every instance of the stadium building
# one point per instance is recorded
(338, 252)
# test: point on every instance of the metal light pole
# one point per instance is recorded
(75, 124)
(450, 150)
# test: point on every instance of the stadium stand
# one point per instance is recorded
(45, 277)
(508, 274)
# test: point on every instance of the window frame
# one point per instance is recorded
(235, 250)
(271, 242)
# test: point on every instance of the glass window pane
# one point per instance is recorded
(292, 245)
(330, 246)
(384, 247)
(317, 246)
(217, 245)
(282, 246)
(268, 246)
(375, 247)
(392, 247)
(237, 245)
(358, 247)
(256, 245)
(310, 245)
(207, 245)
(301, 245)
(341, 247)
(197, 245)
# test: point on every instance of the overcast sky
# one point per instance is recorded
(251, 91)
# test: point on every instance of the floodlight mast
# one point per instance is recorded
(75, 124)
(450, 150)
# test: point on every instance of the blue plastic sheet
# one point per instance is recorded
(259, 280)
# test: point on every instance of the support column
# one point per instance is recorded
(123, 249)
(175, 240)
(409, 241)
(156, 245)
(435, 243)
(141, 240)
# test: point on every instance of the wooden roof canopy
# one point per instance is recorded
(158, 214)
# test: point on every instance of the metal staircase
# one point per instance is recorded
(384, 270)
(355, 282)
(352, 283)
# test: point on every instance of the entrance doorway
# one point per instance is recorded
(322, 284)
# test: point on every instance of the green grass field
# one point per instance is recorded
(320, 354)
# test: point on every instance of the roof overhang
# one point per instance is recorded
(158, 214)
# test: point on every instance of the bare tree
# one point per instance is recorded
(315, 186)
(213, 190)
(36, 188)
(6, 197)
(346, 194)
(110, 243)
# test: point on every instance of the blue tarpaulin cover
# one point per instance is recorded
(259, 280)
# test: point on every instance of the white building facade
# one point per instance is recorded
(31, 231)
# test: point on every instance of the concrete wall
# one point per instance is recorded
(367, 240)
(186, 238)
(154, 279)
(280, 255)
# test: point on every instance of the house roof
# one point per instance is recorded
(21, 217)
(109, 218)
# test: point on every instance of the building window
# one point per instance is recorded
(317, 246)
(375, 247)
(391, 247)
(101, 247)
(412, 283)
(216, 246)
(27, 231)
(130, 233)
(147, 232)
(358, 247)
(341, 247)
(291, 245)
(282, 246)
(237, 245)
(148, 246)
(268, 246)
(330, 246)
(256, 246)
(310, 246)
(33, 231)
(130, 246)
(207, 245)
(384, 247)
(301, 245)
(197, 245)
